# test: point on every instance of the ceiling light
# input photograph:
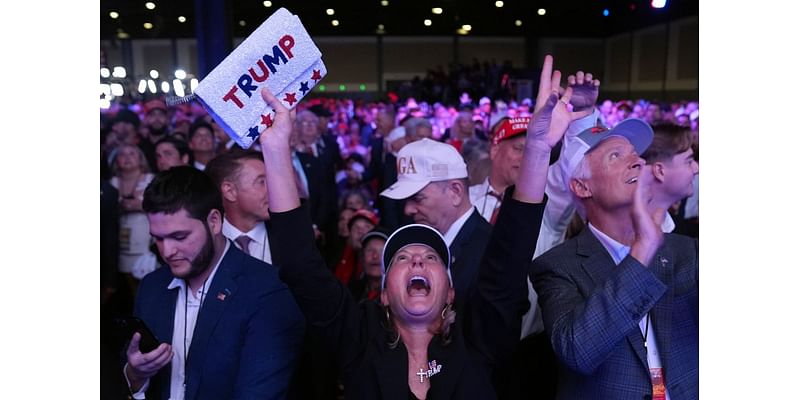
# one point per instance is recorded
(104, 72)
(150, 5)
(498, 4)
(148, 25)
(541, 11)
(605, 12)
(151, 85)
(436, 10)
(177, 85)
(380, 27)
(116, 90)
(119, 72)
(466, 27)
(242, 23)
(335, 22)
(142, 86)
(165, 87)
(658, 3)
(181, 19)
(384, 3)
(105, 89)
(123, 35)
(180, 74)
(427, 22)
(113, 15)
(193, 84)
(268, 4)
(461, 31)
(329, 11)
(154, 74)
(105, 104)
(518, 23)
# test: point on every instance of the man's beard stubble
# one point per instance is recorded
(202, 261)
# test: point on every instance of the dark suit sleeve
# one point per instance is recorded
(330, 311)
(495, 313)
(375, 167)
(272, 341)
(585, 330)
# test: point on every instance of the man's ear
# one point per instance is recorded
(493, 150)
(459, 191)
(580, 188)
(229, 192)
(659, 172)
(214, 221)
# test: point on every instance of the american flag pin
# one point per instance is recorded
(221, 296)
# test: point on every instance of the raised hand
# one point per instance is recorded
(281, 130)
(142, 366)
(549, 83)
(585, 91)
(646, 221)
(551, 120)
(276, 146)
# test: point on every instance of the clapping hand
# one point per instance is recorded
(646, 221)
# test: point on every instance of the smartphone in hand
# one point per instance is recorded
(127, 326)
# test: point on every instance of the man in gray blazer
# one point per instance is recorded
(620, 301)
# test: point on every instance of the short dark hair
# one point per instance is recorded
(668, 140)
(197, 125)
(180, 146)
(182, 187)
(227, 166)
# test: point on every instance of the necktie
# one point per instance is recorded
(496, 211)
(244, 242)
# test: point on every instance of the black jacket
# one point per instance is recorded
(486, 330)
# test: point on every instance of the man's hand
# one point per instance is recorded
(280, 132)
(142, 366)
(551, 121)
(646, 222)
(585, 91)
(549, 83)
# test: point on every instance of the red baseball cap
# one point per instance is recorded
(509, 128)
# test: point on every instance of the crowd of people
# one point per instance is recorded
(429, 247)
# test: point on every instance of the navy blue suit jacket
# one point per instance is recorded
(247, 337)
(592, 308)
(466, 252)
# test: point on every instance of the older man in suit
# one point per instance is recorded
(432, 178)
(229, 327)
(620, 300)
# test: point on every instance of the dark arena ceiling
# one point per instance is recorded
(564, 18)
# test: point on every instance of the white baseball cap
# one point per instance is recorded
(422, 162)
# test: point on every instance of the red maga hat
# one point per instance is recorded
(509, 128)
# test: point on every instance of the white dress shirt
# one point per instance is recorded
(452, 232)
(259, 240)
(186, 310)
(481, 198)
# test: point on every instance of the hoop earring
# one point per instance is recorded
(445, 309)
(388, 321)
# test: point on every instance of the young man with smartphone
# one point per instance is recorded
(230, 328)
